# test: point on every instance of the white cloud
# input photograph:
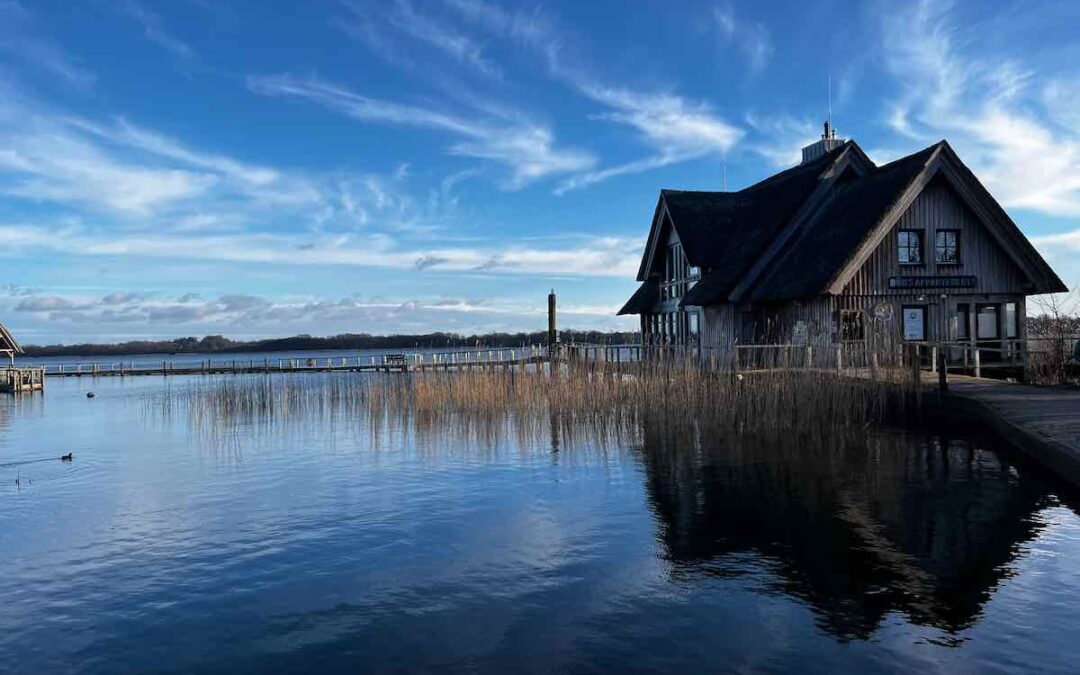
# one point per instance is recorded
(119, 315)
(421, 25)
(1017, 139)
(674, 128)
(528, 150)
(593, 257)
(752, 39)
(22, 39)
(154, 31)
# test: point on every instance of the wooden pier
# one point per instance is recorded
(19, 380)
(387, 363)
(1042, 422)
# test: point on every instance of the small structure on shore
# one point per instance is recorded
(14, 379)
(839, 251)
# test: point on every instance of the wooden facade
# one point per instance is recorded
(840, 251)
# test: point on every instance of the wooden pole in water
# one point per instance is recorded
(552, 331)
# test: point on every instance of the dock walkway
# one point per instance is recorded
(1043, 422)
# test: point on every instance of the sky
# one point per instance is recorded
(265, 168)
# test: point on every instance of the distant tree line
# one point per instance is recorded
(212, 344)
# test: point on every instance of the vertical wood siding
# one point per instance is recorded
(938, 207)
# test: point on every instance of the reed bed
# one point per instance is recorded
(587, 403)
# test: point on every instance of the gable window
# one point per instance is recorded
(852, 325)
(677, 273)
(909, 244)
(947, 247)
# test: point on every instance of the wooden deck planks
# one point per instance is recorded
(1043, 422)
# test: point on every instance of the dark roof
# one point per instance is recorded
(728, 233)
(725, 232)
(643, 298)
(829, 240)
(7, 341)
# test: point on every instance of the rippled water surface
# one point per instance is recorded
(332, 547)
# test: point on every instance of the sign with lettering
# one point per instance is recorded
(932, 282)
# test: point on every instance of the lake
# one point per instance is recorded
(328, 545)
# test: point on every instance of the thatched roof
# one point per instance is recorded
(647, 295)
(789, 236)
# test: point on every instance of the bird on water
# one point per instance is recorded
(89, 394)
(65, 458)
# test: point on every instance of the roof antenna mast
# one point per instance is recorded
(830, 100)
(723, 168)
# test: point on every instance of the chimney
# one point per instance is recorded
(828, 142)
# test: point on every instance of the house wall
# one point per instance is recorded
(939, 207)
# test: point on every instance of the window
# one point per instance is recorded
(692, 317)
(963, 322)
(910, 247)
(676, 273)
(987, 323)
(915, 323)
(1012, 323)
(852, 325)
(947, 247)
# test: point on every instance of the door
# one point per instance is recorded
(988, 331)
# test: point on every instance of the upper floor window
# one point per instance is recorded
(909, 244)
(947, 247)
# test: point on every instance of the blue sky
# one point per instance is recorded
(267, 168)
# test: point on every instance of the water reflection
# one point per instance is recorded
(925, 526)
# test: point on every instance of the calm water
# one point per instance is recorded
(335, 548)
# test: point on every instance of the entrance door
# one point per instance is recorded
(988, 330)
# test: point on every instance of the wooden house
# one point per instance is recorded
(839, 250)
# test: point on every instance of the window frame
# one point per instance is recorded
(997, 324)
(956, 247)
(921, 248)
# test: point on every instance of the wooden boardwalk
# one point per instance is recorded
(1043, 422)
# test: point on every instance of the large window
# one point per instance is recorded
(947, 247)
(1012, 321)
(987, 322)
(909, 243)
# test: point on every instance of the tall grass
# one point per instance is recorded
(593, 403)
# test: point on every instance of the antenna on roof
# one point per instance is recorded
(830, 99)
(723, 168)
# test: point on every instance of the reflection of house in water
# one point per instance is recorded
(920, 527)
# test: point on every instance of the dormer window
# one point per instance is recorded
(910, 247)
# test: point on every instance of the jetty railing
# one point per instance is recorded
(388, 362)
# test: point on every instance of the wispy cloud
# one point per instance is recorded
(675, 128)
(593, 257)
(752, 39)
(160, 315)
(22, 39)
(403, 17)
(529, 150)
(987, 105)
(780, 138)
(153, 29)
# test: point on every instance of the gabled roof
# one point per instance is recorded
(725, 231)
(7, 341)
(647, 295)
(827, 241)
(804, 231)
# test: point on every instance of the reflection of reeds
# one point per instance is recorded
(594, 404)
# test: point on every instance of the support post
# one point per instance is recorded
(552, 331)
(943, 371)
